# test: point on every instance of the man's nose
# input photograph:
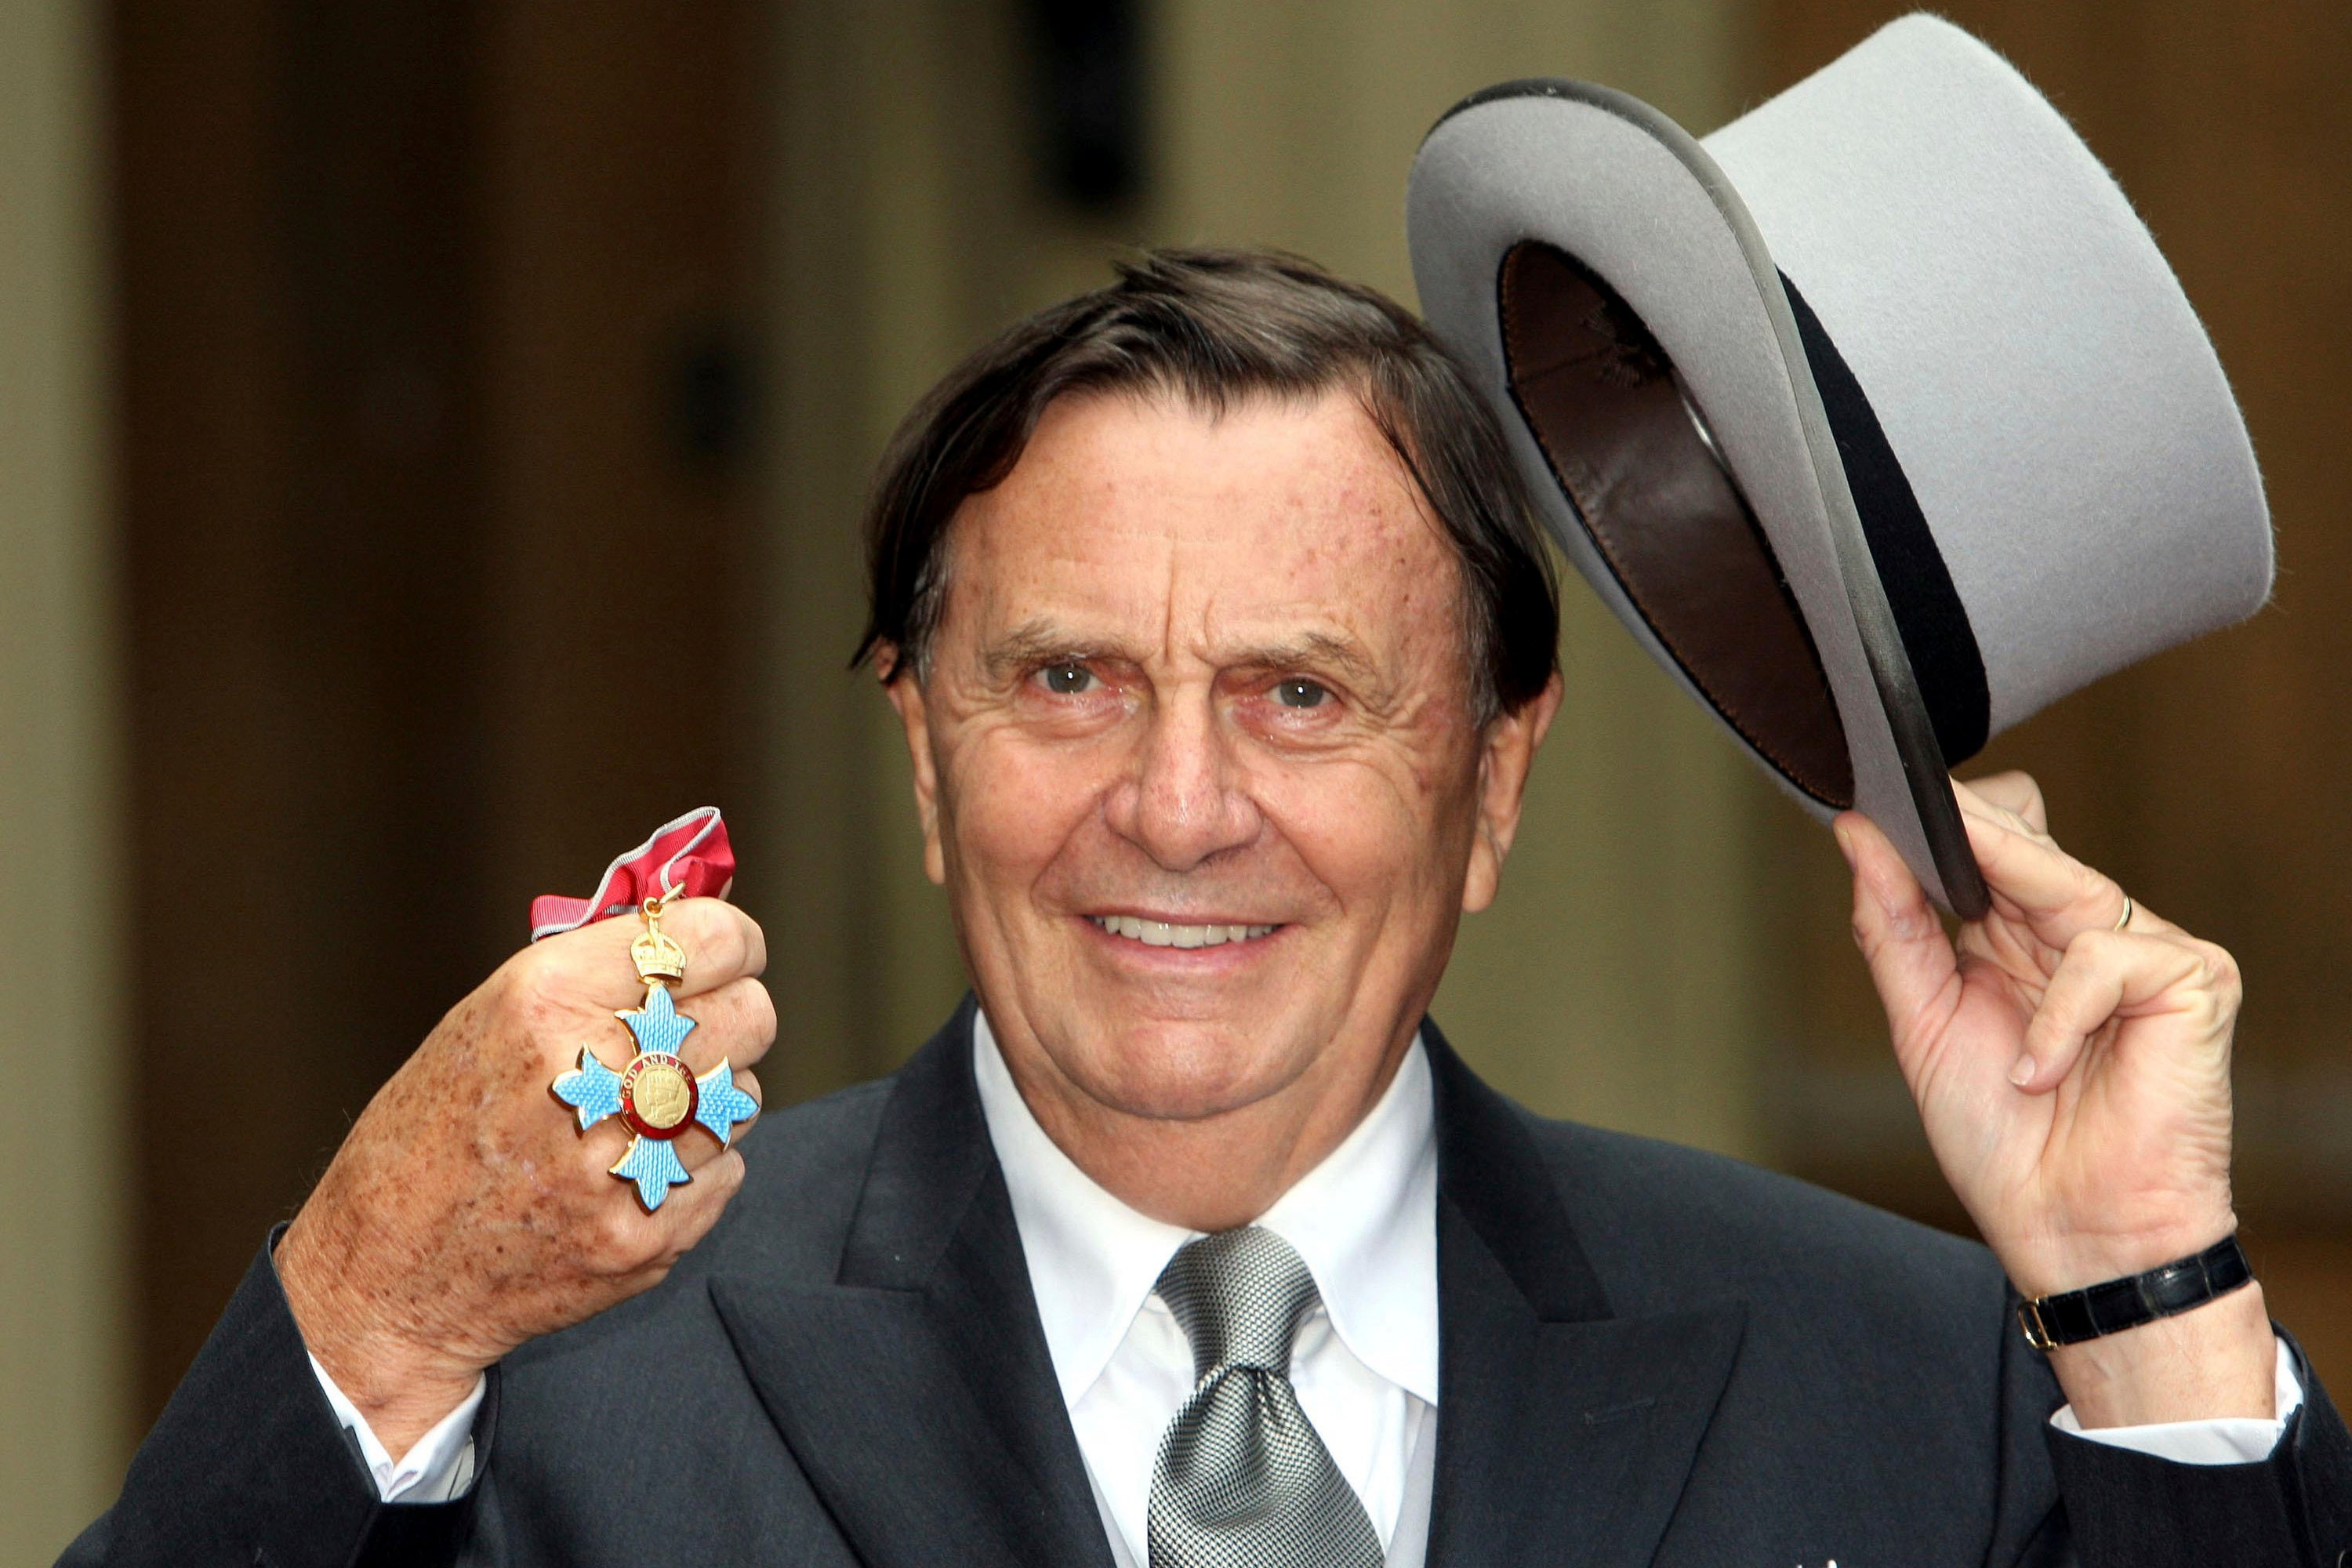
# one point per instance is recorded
(1182, 801)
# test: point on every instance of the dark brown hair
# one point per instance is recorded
(1214, 327)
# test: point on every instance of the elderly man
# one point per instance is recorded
(1224, 646)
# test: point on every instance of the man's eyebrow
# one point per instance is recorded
(1034, 641)
(1314, 650)
(1039, 641)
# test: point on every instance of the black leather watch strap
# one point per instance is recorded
(2077, 1315)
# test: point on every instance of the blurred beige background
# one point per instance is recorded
(431, 436)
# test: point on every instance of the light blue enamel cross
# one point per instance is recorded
(594, 1090)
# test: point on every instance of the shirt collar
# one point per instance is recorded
(1364, 1220)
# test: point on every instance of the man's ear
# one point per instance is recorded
(1507, 754)
(905, 691)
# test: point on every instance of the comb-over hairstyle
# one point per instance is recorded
(1213, 328)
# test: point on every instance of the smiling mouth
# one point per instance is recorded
(1160, 934)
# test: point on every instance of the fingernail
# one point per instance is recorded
(1845, 843)
(2023, 1073)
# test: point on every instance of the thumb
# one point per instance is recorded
(1911, 959)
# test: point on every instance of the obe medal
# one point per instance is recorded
(655, 1095)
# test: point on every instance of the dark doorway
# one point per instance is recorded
(437, 362)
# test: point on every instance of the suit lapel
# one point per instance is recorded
(1564, 1433)
(917, 1391)
(918, 1396)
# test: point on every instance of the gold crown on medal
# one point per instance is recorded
(658, 957)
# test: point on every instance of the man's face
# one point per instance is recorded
(1196, 755)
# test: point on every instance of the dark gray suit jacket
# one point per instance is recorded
(1649, 1355)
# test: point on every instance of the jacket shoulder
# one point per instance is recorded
(1665, 1225)
(1877, 1356)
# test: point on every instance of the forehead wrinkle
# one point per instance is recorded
(1076, 617)
(1311, 633)
(1122, 531)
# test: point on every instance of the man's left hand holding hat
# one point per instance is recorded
(2070, 1055)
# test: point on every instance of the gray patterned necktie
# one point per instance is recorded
(1243, 1481)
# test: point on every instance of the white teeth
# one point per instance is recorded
(1159, 934)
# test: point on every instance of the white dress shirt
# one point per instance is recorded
(1364, 1221)
(1365, 1364)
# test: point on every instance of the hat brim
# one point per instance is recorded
(1633, 199)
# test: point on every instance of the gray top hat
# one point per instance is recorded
(1877, 416)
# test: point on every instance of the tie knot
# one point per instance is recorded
(1239, 1297)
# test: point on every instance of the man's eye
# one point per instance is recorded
(1068, 679)
(1301, 693)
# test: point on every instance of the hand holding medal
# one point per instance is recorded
(469, 1211)
(656, 1094)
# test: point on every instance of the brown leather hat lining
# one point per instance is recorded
(1600, 398)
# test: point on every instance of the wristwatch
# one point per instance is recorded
(2073, 1315)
